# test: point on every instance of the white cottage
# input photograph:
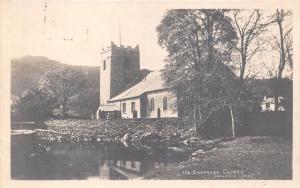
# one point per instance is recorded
(268, 104)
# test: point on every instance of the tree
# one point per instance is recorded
(284, 47)
(282, 44)
(33, 105)
(63, 85)
(250, 25)
(199, 43)
(86, 103)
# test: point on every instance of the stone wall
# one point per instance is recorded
(125, 67)
(122, 66)
(114, 130)
(173, 129)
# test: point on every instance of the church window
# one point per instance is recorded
(152, 104)
(104, 65)
(132, 107)
(124, 108)
(132, 164)
(165, 103)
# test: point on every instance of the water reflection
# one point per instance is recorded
(32, 159)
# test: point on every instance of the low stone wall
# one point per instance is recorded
(172, 129)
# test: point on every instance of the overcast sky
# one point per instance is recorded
(74, 33)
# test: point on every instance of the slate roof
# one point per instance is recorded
(151, 82)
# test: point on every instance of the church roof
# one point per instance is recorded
(151, 82)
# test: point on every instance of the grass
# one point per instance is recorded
(242, 158)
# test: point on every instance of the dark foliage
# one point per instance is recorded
(267, 124)
(33, 105)
(62, 85)
(199, 45)
(258, 88)
(26, 72)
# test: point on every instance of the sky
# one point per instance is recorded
(74, 32)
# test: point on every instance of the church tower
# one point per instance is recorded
(119, 66)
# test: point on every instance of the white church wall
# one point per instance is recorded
(158, 97)
(128, 113)
(105, 78)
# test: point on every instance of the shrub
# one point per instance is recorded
(33, 105)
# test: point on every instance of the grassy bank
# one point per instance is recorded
(242, 158)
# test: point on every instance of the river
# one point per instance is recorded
(33, 159)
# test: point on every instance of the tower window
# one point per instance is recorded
(132, 107)
(104, 65)
(165, 103)
(151, 104)
(124, 108)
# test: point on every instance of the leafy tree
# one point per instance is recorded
(63, 85)
(86, 103)
(199, 43)
(33, 105)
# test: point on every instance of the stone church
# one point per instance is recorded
(127, 91)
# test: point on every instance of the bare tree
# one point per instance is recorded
(271, 69)
(250, 26)
(284, 46)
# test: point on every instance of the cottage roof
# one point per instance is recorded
(271, 100)
(151, 82)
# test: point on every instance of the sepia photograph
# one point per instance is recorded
(149, 91)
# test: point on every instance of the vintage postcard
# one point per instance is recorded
(96, 93)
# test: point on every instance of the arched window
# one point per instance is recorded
(165, 103)
(151, 104)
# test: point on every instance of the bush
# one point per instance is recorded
(33, 105)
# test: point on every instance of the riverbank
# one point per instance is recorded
(188, 157)
(242, 158)
(173, 137)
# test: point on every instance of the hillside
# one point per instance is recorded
(28, 70)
